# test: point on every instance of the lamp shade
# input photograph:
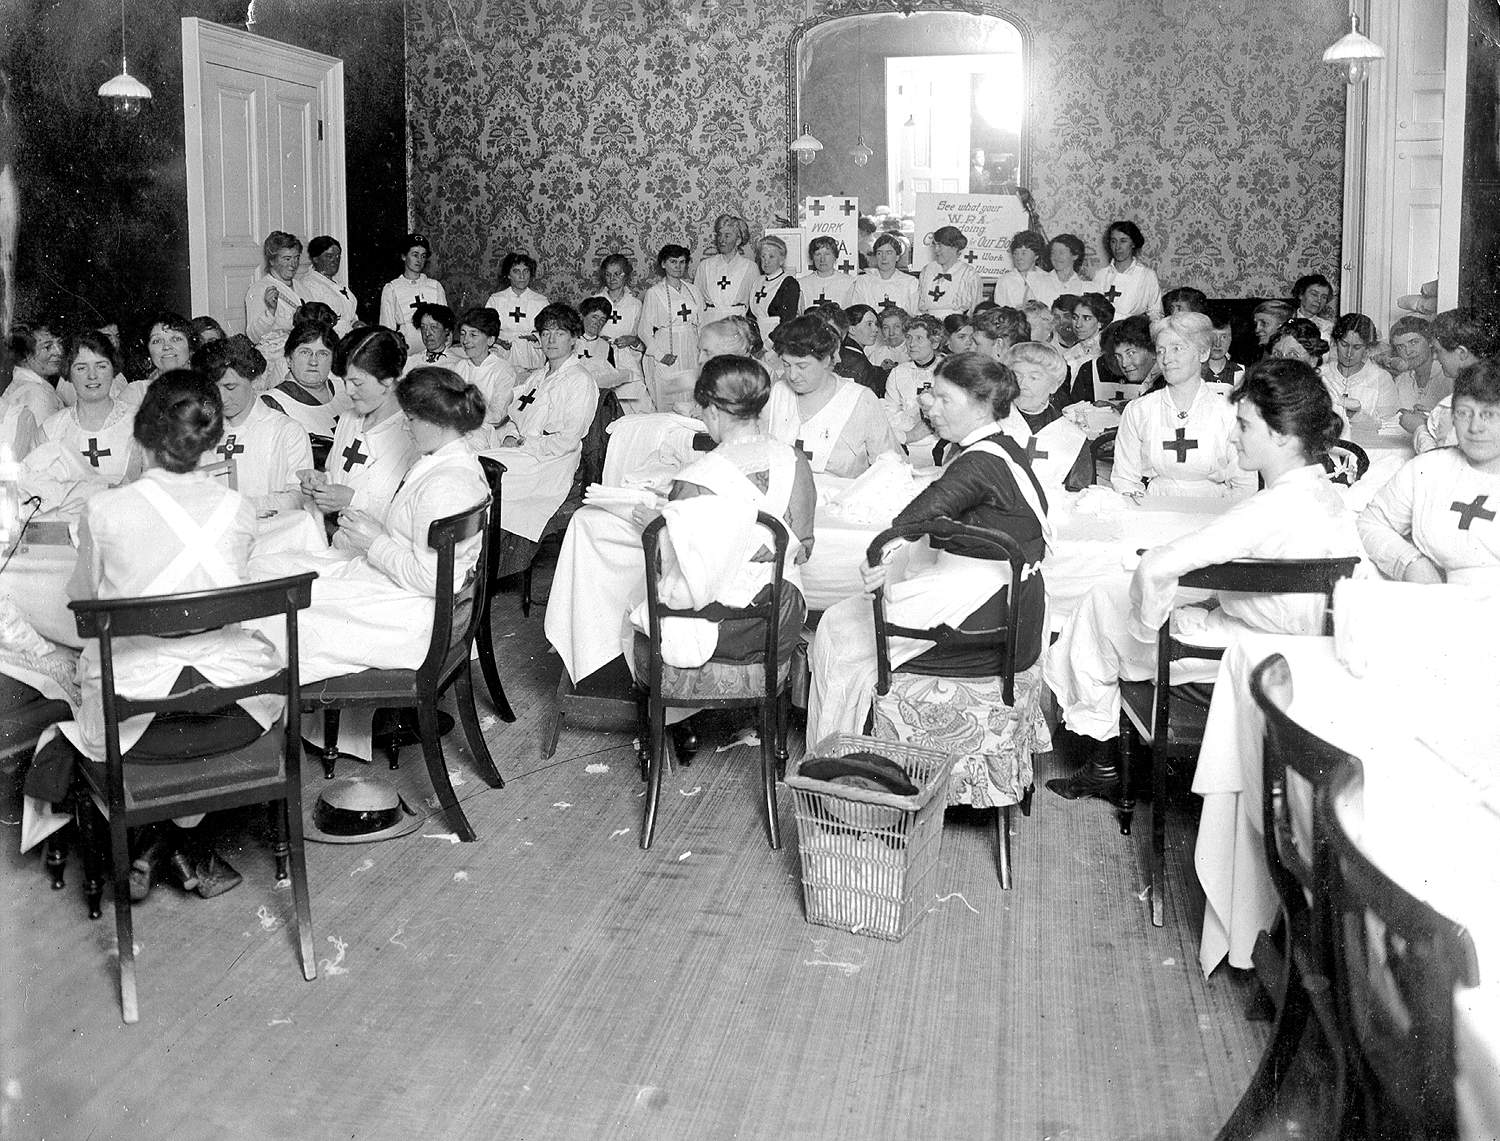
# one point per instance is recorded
(1354, 52)
(125, 92)
(805, 147)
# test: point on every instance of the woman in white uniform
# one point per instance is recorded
(1284, 425)
(517, 306)
(838, 424)
(1066, 253)
(1030, 281)
(200, 537)
(615, 275)
(478, 330)
(170, 342)
(372, 445)
(93, 438)
(310, 394)
(989, 483)
(400, 296)
(1129, 283)
(671, 315)
(1438, 519)
(272, 301)
(725, 277)
(948, 283)
(886, 287)
(824, 282)
(1361, 388)
(1178, 439)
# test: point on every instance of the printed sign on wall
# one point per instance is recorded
(835, 216)
(989, 221)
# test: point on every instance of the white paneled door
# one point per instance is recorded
(264, 130)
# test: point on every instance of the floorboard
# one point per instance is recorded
(554, 981)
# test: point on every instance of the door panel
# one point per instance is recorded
(234, 175)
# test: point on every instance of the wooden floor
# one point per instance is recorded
(552, 981)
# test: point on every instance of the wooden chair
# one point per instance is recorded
(715, 684)
(1170, 719)
(494, 471)
(267, 770)
(610, 690)
(1397, 963)
(456, 615)
(959, 715)
(1298, 857)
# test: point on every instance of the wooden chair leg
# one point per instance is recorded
(119, 852)
(86, 818)
(56, 859)
(555, 723)
(1002, 844)
(1256, 1110)
(330, 741)
(437, 771)
(489, 668)
(468, 716)
(1127, 782)
(291, 809)
(656, 731)
(280, 847)
(770, 741)
(1158, 838)
(783, 720)
(526, 588)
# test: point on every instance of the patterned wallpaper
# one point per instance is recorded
(574, 128)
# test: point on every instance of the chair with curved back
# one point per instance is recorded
(717, 684)
(1298, 770)
(494, 472)
(178, 775)
(962, 695)
(1397, 964)
(1170, 719)
(457, 612)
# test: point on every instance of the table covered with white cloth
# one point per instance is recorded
(1428, 813)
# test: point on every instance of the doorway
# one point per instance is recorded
(264, 128)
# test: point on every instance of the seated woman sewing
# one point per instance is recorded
(990, 484)
(1284, 425)
(200, 534)
(92, 439)
(1436, 520)
(838, 424)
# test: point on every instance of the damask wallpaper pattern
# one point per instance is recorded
(575, 128)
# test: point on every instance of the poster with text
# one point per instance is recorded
(989, 221)
(835, 216)
(796, 249)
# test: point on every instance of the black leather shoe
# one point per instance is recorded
(1099, 777)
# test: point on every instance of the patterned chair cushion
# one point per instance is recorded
(991, 743)
(713, 679)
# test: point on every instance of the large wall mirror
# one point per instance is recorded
(939, 99)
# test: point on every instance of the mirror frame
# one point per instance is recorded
(840, 9)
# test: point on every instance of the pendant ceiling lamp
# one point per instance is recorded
(805, 147)
(1354, 53)
(125, 93)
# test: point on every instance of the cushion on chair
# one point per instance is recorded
(713, 680)
(991, 743)
(258, 765)
(352, 687)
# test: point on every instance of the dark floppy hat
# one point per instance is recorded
(860, 770)
(357, 810)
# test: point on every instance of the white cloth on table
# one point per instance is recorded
(1181, 451)
(268, 448)
(1300, 516)
(942, 292)
(372, 461)
(842, 437)
(315, 286)
(725, 282)
(518, 313)
(318, 418)
(551, 414)
(98, 455)
(1131, 291)
(899, 291)
(649, 450)
(399, 299)
(374, 611)
(30, 391)
(816, 287)
(600, 576)
(268, 327)
(1440, 507)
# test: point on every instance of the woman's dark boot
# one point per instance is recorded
(1099, 776)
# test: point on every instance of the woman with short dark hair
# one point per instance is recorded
(518, 304)
(671, 316)
(273, 300)
(400, 296)
(310, 394)
(885, 286)
(93, 437)
(989, 483)
(1128, 282)
(486, 370)
(1029, 281)
(823, 280)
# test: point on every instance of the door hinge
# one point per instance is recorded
(320, 130)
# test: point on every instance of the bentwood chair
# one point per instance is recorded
(1397, 964)
(964, 696)
(1298, 774)
(457, 610)
(494, 472)
(1170, 719)
(717, 684)
(171, 771)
